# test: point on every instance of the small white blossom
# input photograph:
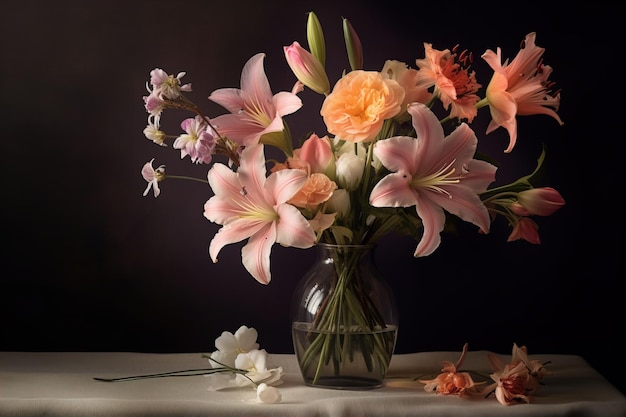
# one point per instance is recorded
(267, 394)
(349, 170)
(153, 177)
(153, 133)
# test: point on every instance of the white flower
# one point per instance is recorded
(255, 365)
(152, 176)
(255, 362)
(267, 394)
(153, 133)
(230, 345)
(349, 170)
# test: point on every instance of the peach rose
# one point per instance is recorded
(359, 104)
(316, 190)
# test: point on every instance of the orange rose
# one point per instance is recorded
(316, 190)
(359, 104)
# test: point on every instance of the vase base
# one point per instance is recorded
(345, 383)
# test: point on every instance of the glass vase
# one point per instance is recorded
(344, 320)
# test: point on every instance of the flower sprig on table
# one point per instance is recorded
(514, 382)
(238, 362)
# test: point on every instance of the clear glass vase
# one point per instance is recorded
(344, 320)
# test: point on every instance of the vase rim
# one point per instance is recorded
(349, 245)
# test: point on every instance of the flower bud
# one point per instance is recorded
(319, 155)
(538, 201)
(307, 68)
(315, 37)
(353, 46)
(349, 169)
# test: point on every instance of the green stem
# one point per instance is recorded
(186, 372)
(183, 177)
(347, 313)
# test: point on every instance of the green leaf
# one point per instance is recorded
(280, 140)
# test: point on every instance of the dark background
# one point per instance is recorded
(91, 265)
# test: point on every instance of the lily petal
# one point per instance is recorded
(430, 173)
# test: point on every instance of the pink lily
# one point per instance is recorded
(433, 173)
(251, 206)
(519, 88)
(254, 111)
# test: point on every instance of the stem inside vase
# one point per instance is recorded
(344, 320)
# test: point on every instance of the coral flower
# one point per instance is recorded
(316, 190)
(517, 381)
(254, 110)
(433, 173)
(359, 104)
(249, 205)
(451, 381)
(519, 88)
(453, 83)
(527, 229)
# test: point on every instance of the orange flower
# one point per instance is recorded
(517, 381)
(452, 382)
(520, 87)
(454, 84)
(527, 229)
(316, 190)
(359, 104)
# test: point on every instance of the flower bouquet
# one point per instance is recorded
(398, 155)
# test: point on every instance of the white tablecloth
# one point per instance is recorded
(61, 384)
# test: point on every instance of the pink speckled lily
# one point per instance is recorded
(249, 205)
(254, 111)
(433, 173)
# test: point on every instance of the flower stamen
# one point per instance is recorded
(435, 180)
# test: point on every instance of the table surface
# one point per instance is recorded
(61, 384)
